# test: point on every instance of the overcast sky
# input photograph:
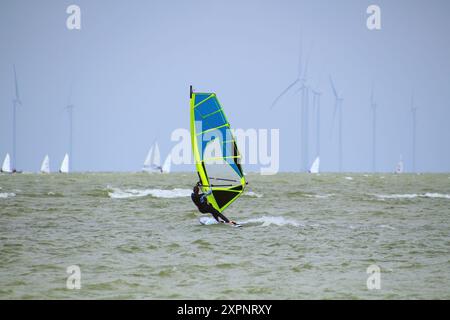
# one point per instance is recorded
(132, 62)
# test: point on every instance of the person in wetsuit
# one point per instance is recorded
(201, 201)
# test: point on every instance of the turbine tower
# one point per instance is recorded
(304, 119)
(373, 106)
(316, 105)
(16, 102)
(69, 108)
(304, 100)
(413, 111)
(338, 108)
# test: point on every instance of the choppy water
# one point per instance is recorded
(136, 236)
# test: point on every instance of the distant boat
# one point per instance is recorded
(152, 162)
(167, 164)
(399, 167)
(6, 167)
(65, 164)
(315, 166)
(45, 166)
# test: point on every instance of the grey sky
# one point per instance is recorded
(132, 62)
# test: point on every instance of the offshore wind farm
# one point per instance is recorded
(339, 145)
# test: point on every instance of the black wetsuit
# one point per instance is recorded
(204, 207)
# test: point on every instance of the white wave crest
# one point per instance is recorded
(271, 220)
(348, 178)
(386, 226)
(5, 195)
(436, 195)
(157, 193)
(319, 196)
(253, 194)
(396, 196)
(412, 196)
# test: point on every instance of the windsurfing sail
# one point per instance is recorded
(167, 164)
(315, 166)
(6, 167)
(399, 167)
(65, 164)
(45, 166)
(216, 155)
(152, 162)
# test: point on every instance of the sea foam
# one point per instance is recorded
(5, 195)
(253, 194)
(412, 196)
(118, 193)
(273, 220)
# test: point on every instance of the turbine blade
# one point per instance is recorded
(372, 101)
(69, 97)
(16, 85)
(283, 93)
(307, 61)
(300, 57)
(334, 89)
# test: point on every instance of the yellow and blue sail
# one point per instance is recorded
(210, 125)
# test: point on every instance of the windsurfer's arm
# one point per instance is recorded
(204, 195)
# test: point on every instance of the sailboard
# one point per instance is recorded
(217, 158)
(65, 164)
(6, 166)
(45, 166)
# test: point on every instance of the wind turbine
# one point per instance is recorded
(301, 78)
(413, 111)
(16, 102)
(338, 108)
(373, 106)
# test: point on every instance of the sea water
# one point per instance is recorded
(137, 236)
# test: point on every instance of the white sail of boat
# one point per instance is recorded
(315, 166)
(65, 164)
(399, 167)
(45, 166)
(167, 164)
(152, 162)
(6, 167)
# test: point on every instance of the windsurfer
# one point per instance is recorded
(201, 201)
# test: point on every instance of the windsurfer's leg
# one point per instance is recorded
(223, 218)
(218, 215)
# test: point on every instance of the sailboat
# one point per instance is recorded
(65, 164)
(399, 167)
(6, 167)
(219, 170)
(152, 162)
(315, 166)
(45, 166)
(167, 164)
